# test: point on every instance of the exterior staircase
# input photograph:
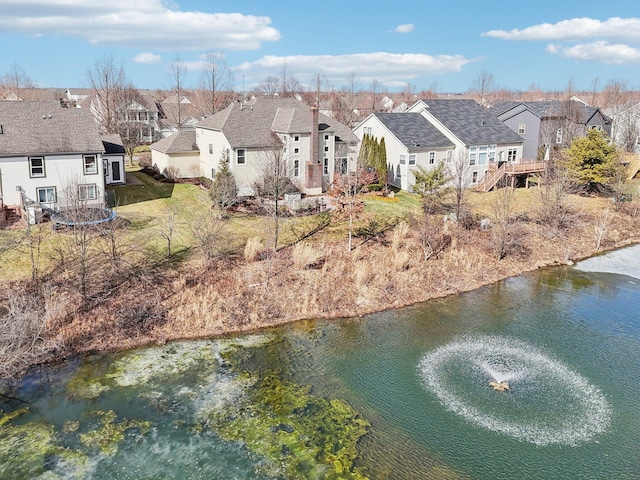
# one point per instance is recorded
(12, 218)
(495, 174)
(492, 177)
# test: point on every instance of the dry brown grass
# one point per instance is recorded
(201, 299)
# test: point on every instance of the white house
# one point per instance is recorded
(459, 130)
(314, 145)
(49, 154)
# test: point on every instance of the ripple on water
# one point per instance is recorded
(548, 402)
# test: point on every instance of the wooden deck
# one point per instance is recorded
(495, 174)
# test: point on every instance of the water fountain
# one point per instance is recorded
(548, 403)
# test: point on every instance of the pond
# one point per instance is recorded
(401, 394)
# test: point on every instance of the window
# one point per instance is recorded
(449, 156)
(403, 159)
(521, 128)
(213, 173)
(296, 150)
(367, 130)
(559, 136)
(482, 154)
(296, 138)
(326, 149)
(241, 156)
(211, 149)
(474, 177)
(325, 166)
(472, 155)
(595, 127)
(432, 158)
(46, 195)
(412, 159)
(90, 165)
(341, 165)
(326, 137)
(87, 192)
(492, 153)
(36, 167)
(512, 155)
(296, 167)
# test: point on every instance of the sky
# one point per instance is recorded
(441, 45)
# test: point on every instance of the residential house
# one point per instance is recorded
(315, 145)
(411, 141)
(176, 113)
(142, 114)
(49, 155)
(177, 156)
(549, 125)
(113, 160)
(475, 139)
(625, 128)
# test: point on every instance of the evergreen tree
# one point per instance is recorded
(224, 190)
(382, 163)
(592, 160)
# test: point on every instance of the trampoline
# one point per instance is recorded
(82, 217)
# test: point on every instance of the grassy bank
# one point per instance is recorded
(130, 292)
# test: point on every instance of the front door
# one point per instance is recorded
(115, 171)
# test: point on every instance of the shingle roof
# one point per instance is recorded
(252, 124)
(414, 131)
(36, 128)
(180, 142)
(470, 122)
(112, 144)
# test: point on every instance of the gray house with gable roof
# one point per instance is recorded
(456, 131)
(46, 150)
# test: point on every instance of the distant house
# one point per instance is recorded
(49, 155)
(625, 128)
(315, 145)
(545, 125)
(113, 160)
(432, 130)
(177, 156)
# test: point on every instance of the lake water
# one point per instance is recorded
(566, 339)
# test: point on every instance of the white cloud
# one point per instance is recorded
(142, 24)
(405, 28)
(575, 29)
(599, 51)
(147, 58)
(384, 67)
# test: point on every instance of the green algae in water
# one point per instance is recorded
(300, 435)
(110, 435)
(28, 450)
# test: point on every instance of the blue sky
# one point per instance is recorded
(442, 45)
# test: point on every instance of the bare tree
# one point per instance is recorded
(375, 88)
(17, 80)
(177, 87)
(616, 96)
(320, 88)
(209, 232)
(461, 176)
(502, 235)
(483, 88)
(216, 79)
(109, 83)
(553, 201)
(275, 170)
(269, 86)
(346, 102)
(602, 225)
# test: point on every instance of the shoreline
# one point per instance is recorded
(188, 303)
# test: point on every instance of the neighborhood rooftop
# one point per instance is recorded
(414, 131)
(36, 128)
(470, 122)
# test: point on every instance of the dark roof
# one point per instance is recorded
(112, 144)
(179, 142)
(37, 128)
(414, 131)
(252, 123)
(470, 122)
(502, 107)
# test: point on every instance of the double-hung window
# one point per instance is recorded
(87, 192)
(412, 159)
(46, 195)
(482, 154)
(241, 156)
(296, 167)
(90, 163)
(325, 166)
(403, 159)
(432, 158)
(512, 155)
(36, 167)
(449, 156)
(522, 128)
(472, 155)
(559, 136)
(492, 153)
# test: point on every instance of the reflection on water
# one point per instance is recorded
(294, 402)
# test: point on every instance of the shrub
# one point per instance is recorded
(306, 256)
(252, 249)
